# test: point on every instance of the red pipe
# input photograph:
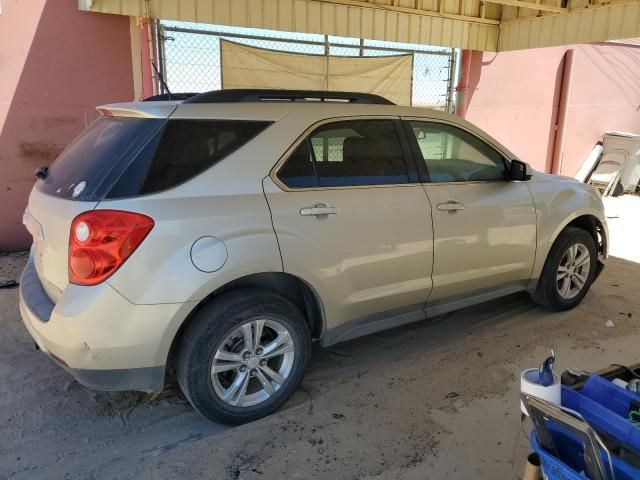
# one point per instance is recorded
(146, 57)
(563, 108)
(463, 83)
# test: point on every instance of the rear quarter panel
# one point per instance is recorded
(558, 201)
(161, 270)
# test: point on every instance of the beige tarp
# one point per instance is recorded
(250, 67)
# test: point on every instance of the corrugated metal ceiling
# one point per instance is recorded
(496, 25)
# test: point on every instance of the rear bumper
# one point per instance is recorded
(98, 336)
(149, 379)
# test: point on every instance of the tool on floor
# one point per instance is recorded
(632, 385)
(8, 282)
(634, 417)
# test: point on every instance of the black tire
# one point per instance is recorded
(547, 294)
(211, 326)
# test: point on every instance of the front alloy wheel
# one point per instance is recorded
(568, 271)
(573, 271)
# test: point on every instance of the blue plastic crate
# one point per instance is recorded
(606, 407)
(570, 464)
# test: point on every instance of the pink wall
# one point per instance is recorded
(56, 64)
(515, 96)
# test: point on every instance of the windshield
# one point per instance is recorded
(87, 168)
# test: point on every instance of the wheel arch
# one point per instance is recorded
(289, 286)
(587, 221)
(592, 225)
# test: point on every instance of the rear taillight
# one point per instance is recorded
(101, 240)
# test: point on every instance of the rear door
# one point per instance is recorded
(352, 219)
(484, 224)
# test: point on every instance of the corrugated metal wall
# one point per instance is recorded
(311, 16)
(450, 23)
(601, 23)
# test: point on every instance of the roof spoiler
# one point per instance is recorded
(138, 109)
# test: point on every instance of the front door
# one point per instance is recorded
(350, 223)
(484, 224)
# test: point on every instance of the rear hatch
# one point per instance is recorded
(131, 150)
(78, 179)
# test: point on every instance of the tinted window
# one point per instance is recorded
(357, 152)
(299, 171)
(181, 151)
(96, 157)
(453, 155)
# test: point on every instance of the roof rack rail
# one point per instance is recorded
(242, 95)
(169, 96)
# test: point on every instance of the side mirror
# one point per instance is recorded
(520, 170)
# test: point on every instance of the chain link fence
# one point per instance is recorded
(189, 57)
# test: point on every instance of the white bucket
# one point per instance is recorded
(529, 385)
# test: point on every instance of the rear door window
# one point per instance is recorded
(347, 153)
(299, 170)
(182, 150)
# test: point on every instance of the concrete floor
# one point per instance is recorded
(435, 400)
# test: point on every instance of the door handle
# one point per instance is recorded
(319, 210)
(451, 206)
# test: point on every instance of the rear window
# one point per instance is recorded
(119, 157)
(90, 164)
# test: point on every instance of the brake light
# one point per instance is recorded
(100, 241)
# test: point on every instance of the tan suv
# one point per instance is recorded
(223, 233)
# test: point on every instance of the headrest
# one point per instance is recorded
(354, 149)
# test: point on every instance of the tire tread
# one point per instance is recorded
(546, 294)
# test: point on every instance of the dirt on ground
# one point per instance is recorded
(432, 400)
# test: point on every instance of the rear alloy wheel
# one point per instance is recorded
(568, 271)
(243, 355)
(253, 363)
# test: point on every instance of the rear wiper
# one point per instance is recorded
(161, 78)
(42, 172)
